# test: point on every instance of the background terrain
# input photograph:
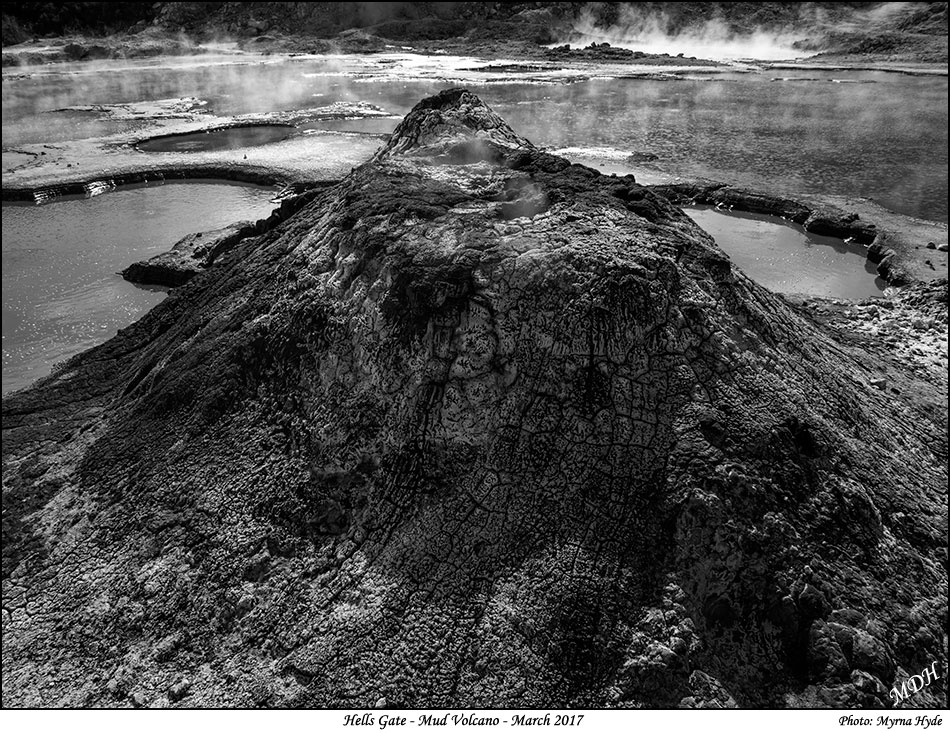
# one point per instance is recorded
(883, 31)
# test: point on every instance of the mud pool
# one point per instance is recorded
(231, 138)
(61, 293)
(785, 258)
(860, 134)
(870, 134)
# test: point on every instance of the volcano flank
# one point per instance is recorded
(475, 427)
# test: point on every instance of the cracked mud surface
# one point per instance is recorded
(477, 427)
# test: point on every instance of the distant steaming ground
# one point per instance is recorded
(712, 41)
(651, 32)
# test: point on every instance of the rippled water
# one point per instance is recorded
(870, 134)
(61, 293)
(785, 258)
(886, 141)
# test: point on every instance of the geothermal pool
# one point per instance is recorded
(61, 293)
(870, 134)
(853, 134)
(231, 138)
(785, 258)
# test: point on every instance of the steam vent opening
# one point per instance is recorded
(477, 427)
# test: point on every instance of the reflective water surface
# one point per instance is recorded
(785, 258)
(231, 138)
(61, 293)
(868, 134)
(860, 133)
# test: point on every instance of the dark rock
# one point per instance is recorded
(713, 430)
(707, 692)
(191, 255)
(849, 616)
(167, 647)
(890, 271)
(826, 660)
(179, 690)
(812, 603)
(74, 51)
(737, 199)
(97, 52)
(641, 157)
(756, 203)
(878, 250)
(845, 225)
(863, 651)
(857, 693)
(257, 568)
(871, 686)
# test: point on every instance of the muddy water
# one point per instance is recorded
(61, 293)
(785, 258)
(232, 138)
(869, 134)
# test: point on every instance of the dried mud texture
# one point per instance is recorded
(475, 427)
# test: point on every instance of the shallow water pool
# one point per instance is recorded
(229, 138)
(61, 290)
(785, 258)
(880, 135)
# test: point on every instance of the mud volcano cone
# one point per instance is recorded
(476, 427)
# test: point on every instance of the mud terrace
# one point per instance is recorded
(94, 165)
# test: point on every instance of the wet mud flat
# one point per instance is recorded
(181, 138)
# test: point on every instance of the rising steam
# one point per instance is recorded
(653, 32)
(711, 39)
